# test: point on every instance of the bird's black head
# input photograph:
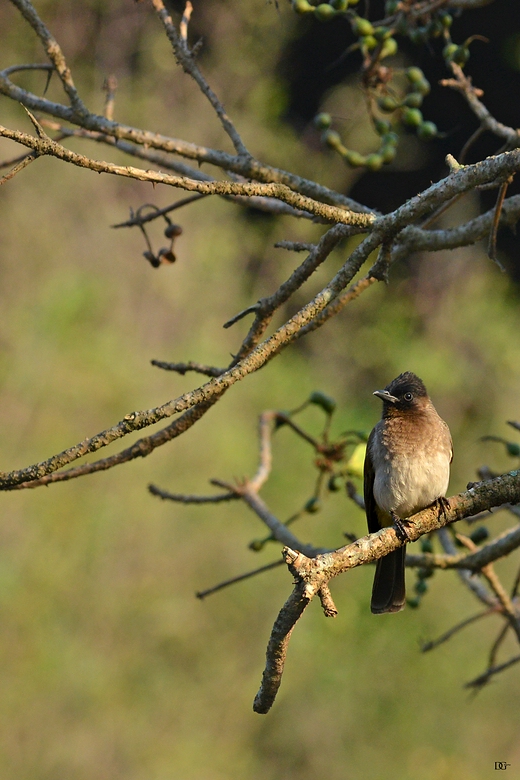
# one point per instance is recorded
(404, 393)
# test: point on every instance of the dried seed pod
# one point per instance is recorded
(165, 255)
(172, 230)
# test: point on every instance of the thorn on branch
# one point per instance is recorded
(241, 314)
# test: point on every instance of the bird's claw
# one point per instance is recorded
(400, 528)
(443, 504)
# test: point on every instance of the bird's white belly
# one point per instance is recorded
(411, 482)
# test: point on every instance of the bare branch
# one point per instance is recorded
(483, 679)
(185, 499)
(201, 594)
(24, 162)
(463, 84)
(185, 59)
(452, 631)
(46, 146)
(191, 365)
(54, 53)
(312, 573)
(276, 652)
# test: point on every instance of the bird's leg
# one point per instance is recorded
(443, 504)
(400, 528)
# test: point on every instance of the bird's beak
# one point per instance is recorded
(384, 395)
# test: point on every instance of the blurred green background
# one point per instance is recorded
(109, 666)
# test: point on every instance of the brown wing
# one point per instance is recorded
(368, 487)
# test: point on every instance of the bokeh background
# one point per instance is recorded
(110, 668)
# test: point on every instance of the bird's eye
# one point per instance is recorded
(408, 396)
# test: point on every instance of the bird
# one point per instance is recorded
(407, 468)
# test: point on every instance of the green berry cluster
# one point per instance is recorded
(408, 113)
(409, 106)
(324, 12)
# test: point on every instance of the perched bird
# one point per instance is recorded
(407, 468)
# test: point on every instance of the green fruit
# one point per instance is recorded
(414, 74)
(391, 7)
(412, 117)
(374, 162)
(313, 505)
(419, 35)
(390, 139)
(425, 574)
(256, 545)
(387, 103)
(339, 5)
(335, 483)
(302, 6)
(413, 602)
(422, 86)
(322, 121)
(420, 587)
(427, 130)
(382, 33)
(361, 26)
(479, 535)
(413, 100)
(449, 51)
(461, 55)
(324, 12)
(388, 153)
(368, 42)
(426, 545)
(447, 21)
(389, 48)
(332, 139)
(355, 159)
(327, 403)
(435, 28)
(513, 449)
(382, 126)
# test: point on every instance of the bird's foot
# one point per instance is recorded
(443, 504)
(400, 528)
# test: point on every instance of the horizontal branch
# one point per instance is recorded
(46, 146)
(247, 167)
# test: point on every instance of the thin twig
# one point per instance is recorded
(142, 220)
(191, 365)
(483, 679)
(188, 64)
(187, 499)
(426, 646)
(201, 594)
(492, 245)
(54, 53)
(110, 87)
(24, 162)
